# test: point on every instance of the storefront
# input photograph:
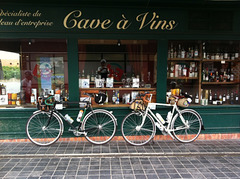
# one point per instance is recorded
(60, 50)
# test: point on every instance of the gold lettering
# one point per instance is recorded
(2, 22)
(123, 24)
(142, 18)
(92, 24)
(106, 24)
(172, 25)
(154, 23)
(76, 14)
(84, 26)
(71, 21)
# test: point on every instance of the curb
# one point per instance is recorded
(187, 154)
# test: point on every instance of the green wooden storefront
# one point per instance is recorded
(195, 21)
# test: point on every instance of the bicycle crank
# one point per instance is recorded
(76, 132)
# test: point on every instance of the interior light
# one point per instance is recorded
(119, 43)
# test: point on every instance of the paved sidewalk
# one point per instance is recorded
(118, 160)
(115, 148)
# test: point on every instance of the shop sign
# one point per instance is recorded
(148, 20)
(87, 20)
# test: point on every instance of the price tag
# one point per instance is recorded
(223, 62)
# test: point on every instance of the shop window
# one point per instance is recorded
(206, 70)
(32, 68)
(130, 66)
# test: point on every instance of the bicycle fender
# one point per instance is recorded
(100, 110)
(36, 111)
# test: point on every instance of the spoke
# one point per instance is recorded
(146, 130)
(107, 123)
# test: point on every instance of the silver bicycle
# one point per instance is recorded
(139, 127)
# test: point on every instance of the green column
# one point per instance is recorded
(162, 52)
(72, 48)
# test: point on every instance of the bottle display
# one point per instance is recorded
(182, 50)
(207, 70)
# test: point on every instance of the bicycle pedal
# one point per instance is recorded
(77, 133)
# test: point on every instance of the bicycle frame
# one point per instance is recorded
(79, 130)
(167, 128)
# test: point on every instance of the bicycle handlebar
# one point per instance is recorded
(49, 104)
(146, 97)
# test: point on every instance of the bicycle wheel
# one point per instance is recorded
(100, 126)
(40, 132)
(186, 132)
(133, 133)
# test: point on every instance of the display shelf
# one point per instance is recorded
(220, 60)
(120, 89)
(184, 59)
(110, 105)
(221, 83)
(182, 78)
(18, 106)
(115, 83)
(229, 66)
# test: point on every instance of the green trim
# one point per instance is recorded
(162, 70)
(73, 86)
(214, 120)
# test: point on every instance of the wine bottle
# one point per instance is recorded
(196, 99)
(210, 97)
(196, 51)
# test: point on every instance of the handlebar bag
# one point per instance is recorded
(183, 102)
(137, 104)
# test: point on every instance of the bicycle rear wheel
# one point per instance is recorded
(43, 132)
(100, 126)
(133, 133)
(189, 131)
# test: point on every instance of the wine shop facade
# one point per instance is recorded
(162, 48)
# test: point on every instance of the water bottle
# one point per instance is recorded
(158, 126)
(68, 119)
(160, 118)
(169, 116)
(80, 114)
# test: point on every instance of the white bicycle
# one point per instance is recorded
(139, 127)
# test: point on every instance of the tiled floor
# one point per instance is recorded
(123, 167)
(115, 147)
(117, 160)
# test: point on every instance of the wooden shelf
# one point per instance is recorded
(110, 105)
(120, 89)
(220, 60)
(115, 83)
(182, 78)
(184, 59)
(220, 83)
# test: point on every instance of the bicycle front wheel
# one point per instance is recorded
(134, 133)
(42, 131)
(100, 126)
(188, 130)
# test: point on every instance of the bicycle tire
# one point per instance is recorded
(134, 135)
(38, 134)
(186, 134)
(100, 126)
